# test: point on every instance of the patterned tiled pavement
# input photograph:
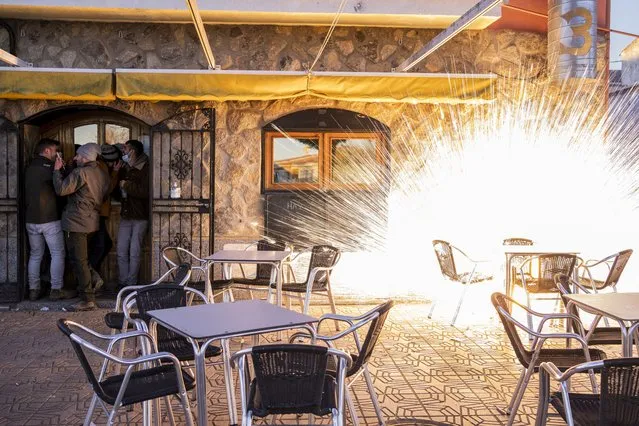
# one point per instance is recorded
(425, 371)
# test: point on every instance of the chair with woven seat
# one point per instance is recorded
(617, 403)
(291, 379)
(148, 377)
(448, 266)
(613, 265)
(537, 276)
(115, 319)
(517, 241)
(531, 357)
(597, 336)
(165, 296)
(318, 277)
(374, 320)
(263, 273)
(201, 278)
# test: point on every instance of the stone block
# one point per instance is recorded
(345, 47)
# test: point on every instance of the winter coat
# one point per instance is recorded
(40, 199)
(87, 186)
(135, 205)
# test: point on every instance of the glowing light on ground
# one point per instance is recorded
(544, 163)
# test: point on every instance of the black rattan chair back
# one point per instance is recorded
(84, 362)
(161, 296)
(617, 267)
(372, 336)
(290, 378)
(549, 265)
(444, 253)
(619, 392)
(499, 300)
(518, 242)
(264, 271)
(322, 256)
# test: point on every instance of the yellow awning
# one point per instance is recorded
(56, 84)
(189, 85)
(402, 87)
(193, 85)
(234, 85)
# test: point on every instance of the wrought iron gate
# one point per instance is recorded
(182, 153)
(10, 258)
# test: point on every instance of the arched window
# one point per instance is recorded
(328, 149)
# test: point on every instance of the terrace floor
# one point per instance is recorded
(425, 371)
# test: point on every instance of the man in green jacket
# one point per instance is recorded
(86, 187)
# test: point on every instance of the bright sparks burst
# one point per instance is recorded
(554, 164)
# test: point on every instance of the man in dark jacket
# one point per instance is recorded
(134, 211)
(43, 221)
(87, 186)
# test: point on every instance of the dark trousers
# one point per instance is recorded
(100, 244)
(77, 247)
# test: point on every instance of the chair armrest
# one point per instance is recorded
(352, 329)
(469, 258)
(558, 315)
(130, 335)
(541, 337)
(558, 376)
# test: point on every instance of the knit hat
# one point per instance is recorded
(110, 153)
(90, 151)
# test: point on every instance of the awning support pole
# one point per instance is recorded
(201, 32)
(456, 27)
(13, 60)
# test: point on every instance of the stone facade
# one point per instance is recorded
(513, 56)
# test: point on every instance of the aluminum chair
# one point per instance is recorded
(318, 277)
(263, 273)
(531, 358)
(617, 403)
(537, 276)
(116, 320)
(148, 377)
(201, 278)
(165, 296)
(615, 265)
(446, 259)
(374, 320)
(291, 379)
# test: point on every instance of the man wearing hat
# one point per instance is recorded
(86, 187)
(100, 243)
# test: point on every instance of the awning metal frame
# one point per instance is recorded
(201, 33)
(13, 60)
(443, 37)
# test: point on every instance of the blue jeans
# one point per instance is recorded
(130, 241)
(49, 233)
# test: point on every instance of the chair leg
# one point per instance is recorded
(332, 302)
(461, 300)
(520, 395)
(351, 405)
(155, 411)
(529, 316)
(515, 392)
(169, 411)
(432, 308)
(87, 418)
(373, 394)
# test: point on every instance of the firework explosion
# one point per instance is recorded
(554, 164)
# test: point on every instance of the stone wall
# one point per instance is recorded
(239, 202)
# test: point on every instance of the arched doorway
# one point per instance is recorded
(326, 175)
(77, 125)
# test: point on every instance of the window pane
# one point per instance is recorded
(354, 161)
(116, 134)
(295, 160)
(85, 134)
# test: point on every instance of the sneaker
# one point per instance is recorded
(34, 295)
(62, 294)
(83, 306)
(96, 280)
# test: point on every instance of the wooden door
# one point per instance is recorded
(10, 256)
(182, 153)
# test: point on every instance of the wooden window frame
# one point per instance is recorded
(324, 167)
